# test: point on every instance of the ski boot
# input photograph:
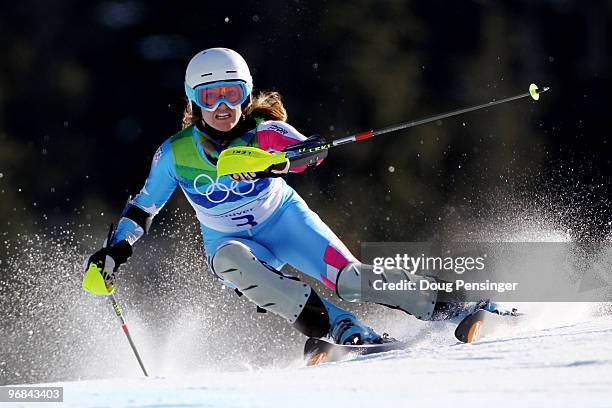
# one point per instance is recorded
(496, 308)
(347, 329)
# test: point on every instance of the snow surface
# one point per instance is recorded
(542, 363)
(206, 347)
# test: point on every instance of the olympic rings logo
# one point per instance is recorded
(213, 186)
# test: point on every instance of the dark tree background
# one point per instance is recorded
(89, 89)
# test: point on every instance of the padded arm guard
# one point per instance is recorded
(142, 218)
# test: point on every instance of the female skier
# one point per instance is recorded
(253, 224)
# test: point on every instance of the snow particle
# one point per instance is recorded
(1, 175)
(255, 18)
(391, 169)
(226, 19)
(315, 65)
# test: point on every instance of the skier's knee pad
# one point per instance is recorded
(269, 289)
(356, 282)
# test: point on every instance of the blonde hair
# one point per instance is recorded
(267, 105)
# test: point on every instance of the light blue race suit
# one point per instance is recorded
(265, 214)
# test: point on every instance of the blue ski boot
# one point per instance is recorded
(496, 308)
(347, 329)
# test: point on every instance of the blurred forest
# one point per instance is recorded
(88, 90)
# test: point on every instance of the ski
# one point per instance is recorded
(473, 327)
(319, 351)
(482, 323)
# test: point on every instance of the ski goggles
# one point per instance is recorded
(210, 96)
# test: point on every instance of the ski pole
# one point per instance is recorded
(117, 309)
(115, 304)
(314, 149)
(297, 150)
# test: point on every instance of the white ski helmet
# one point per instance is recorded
(216, 64)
